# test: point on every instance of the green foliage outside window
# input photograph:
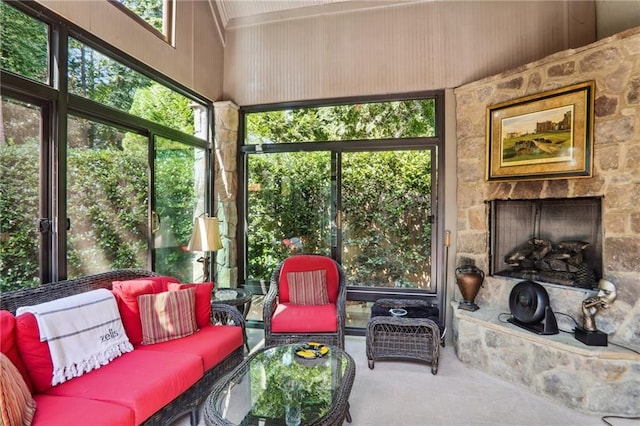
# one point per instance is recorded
(24, 44)
(386, 195)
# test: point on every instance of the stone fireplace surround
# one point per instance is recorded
(599, 380)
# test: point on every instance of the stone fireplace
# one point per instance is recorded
(557, 241)
(597, 380)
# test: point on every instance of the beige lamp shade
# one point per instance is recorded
(206, 235)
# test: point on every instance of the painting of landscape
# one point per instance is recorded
(547, 135)
(539, 137)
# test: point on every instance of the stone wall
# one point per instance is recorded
(614, 65)
(591, 379)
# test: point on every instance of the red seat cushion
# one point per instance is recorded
(62, 410)
(289, 318)
(309, 262)
(144, 381)
(212, 343)
(9, 347)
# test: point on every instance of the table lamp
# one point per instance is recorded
(205, 238)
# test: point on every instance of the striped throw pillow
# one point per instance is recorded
(17, 406)
(308, 287)
(167, 316)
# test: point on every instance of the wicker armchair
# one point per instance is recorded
(286, 322)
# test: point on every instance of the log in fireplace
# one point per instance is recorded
(557, 241)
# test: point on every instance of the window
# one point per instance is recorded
(357, 182)
(105, 170)
(157, 15)
(94, 75)
(20, 136)
(24, 44)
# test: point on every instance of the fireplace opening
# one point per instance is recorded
(556, 241)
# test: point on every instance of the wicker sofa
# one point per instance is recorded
(56, 408)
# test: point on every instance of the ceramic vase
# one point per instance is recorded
(469, 279)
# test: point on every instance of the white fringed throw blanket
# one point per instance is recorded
(84, 332)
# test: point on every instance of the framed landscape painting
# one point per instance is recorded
(544, 136)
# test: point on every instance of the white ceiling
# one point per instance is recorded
(234, 13)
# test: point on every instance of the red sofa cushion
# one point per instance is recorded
(34, 353)
(61, 410)
(9, 347)
(309, 262)
(289, 318)
(212, 343)
(203, 300)
(127, 293)
(144, 381)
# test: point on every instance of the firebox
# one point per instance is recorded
(557, 241)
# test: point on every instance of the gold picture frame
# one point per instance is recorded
(544, 136)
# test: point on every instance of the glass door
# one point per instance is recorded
(107, 203)
(22, 234)
(179, 188)
(289, 211)
(386, 226)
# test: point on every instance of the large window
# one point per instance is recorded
(157, 15)
(101, 168)
(355, 181)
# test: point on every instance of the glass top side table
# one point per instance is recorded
(238, 297)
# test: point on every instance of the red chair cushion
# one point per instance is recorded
(203, 300)
(62, 410)
(9, 346)
(212, 343)
(144, 381)
(309, 262)
(289, 318)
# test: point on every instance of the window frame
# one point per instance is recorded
(436, 143)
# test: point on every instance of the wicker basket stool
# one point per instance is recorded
(402, 337)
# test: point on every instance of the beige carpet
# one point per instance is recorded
(399, 393)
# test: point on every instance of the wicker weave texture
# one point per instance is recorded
(403, 338)
(269, 306)
(186, 403)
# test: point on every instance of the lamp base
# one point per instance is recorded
(205, 268)
(591, 338)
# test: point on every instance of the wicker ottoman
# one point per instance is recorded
(401, 337)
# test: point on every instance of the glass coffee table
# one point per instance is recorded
(274, 386)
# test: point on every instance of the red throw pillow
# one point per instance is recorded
(203, 300)
(127, 293)
(34, 353)
(167, 316)
(9, 346)
(308, 287)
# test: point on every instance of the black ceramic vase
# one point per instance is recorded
(469, 279)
